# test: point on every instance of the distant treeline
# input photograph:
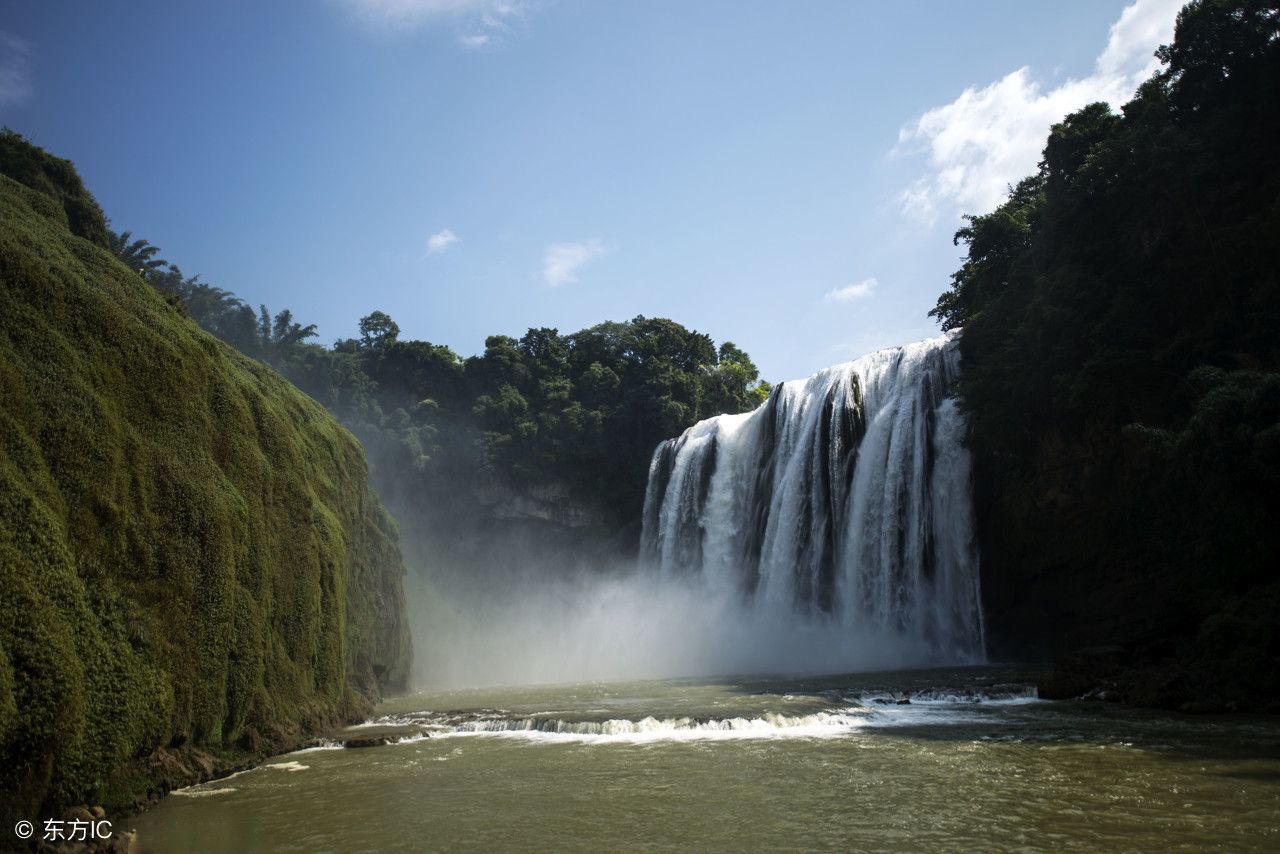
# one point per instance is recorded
(584, 410)
(1121, 315)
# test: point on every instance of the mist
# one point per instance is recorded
(765, 548)
(621, 624)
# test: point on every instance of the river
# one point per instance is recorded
(973, 761)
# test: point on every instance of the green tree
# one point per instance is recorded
(279, 338)
(138, 255)
(1121, 366)
(377, 330)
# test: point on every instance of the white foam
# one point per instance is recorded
(288, 766)
(940, 707)
(195, 792)
(384, 721)
(650, 729)
(323, 745)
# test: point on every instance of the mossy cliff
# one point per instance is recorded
(191, 558)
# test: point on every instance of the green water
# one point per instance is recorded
(971, 763)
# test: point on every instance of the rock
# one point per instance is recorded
(904, 701)
(81, 813)
(371, 741)
(125, 842)
(98, 813)
(250, 741)
(1061, 686)
(1089, 672)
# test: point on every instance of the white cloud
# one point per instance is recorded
(441, 241)
(484, 21)
(15, 72)
(1142, 27)
(990, 138)
(849, 293)
(562, 261)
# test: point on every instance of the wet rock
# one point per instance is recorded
(1093, 670)
(370, 741)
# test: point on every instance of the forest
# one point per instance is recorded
(1121, 317)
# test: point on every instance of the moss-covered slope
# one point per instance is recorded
(190, 553)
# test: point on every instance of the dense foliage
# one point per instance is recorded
(585, 410)
(1121, 315)
(582, 411)
(190, 554)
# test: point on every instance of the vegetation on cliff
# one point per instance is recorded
(578, 413)
(190, 553)
(1121, 315)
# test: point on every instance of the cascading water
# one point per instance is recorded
(844, 501)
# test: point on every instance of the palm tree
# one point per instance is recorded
(138, 255)
(279, 338)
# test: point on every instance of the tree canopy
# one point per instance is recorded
(1121, 316)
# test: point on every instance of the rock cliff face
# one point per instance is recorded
(1055, 576)
(1084, 563)
(191, 558)
(551, 504)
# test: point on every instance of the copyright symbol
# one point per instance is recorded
(24, 829)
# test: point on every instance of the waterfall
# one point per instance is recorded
(842, 501)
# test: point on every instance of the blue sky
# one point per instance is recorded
(783, 175)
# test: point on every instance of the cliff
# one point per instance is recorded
(191, 559)
(1121, 315)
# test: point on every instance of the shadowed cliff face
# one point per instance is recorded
(190, 553)
(1058, 572)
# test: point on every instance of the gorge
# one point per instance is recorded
(1012, 587)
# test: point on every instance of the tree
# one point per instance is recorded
(1121, 366)
(279, 338)
(138, 255)
(377, 330)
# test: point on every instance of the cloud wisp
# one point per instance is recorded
(15, 71)
(441, 240)
(990, 138)
(480, 23)
(851, 292)
(562, 262)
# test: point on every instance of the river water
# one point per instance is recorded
(972, 762)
